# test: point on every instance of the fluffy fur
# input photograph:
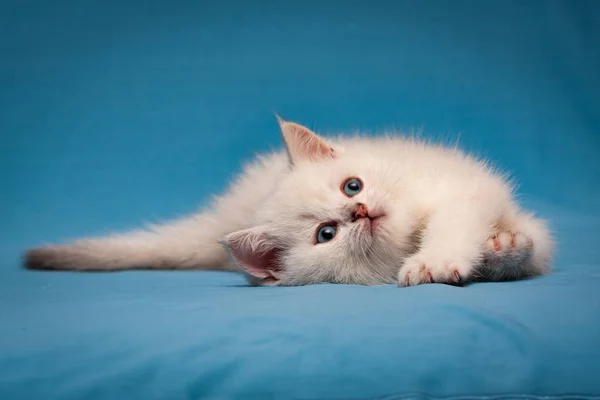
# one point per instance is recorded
(425, 213)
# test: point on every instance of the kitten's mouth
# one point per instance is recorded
(371, 225)
(371, 220)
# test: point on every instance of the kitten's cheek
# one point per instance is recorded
(377, 224)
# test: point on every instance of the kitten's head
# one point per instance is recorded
(336, 217)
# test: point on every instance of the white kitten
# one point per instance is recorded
(351, 210)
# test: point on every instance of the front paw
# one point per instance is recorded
(422, 268)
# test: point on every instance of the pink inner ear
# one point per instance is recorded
(255, 251)
(262, 264)
(302, 143)
(310, 145)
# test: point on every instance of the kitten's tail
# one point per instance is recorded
(190, 243)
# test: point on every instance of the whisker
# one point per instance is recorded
(390, 188)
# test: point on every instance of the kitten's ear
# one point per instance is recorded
(302, 143)
(256, 251)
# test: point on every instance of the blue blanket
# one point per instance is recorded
(115, 113)
(147, 335)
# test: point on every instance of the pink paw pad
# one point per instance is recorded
(456, 276)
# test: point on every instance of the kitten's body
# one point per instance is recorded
(439, 214)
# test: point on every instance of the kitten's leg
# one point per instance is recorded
(451, 251)
(451, 245)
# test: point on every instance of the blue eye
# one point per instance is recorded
(352, 187)
(326, 233)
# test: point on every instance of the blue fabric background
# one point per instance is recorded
(117, 112)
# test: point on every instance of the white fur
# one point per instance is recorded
(448, 217)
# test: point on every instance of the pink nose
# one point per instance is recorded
(361, 212)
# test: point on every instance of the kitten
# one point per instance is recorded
(354, 210)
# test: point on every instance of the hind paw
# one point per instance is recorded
(507, 247)
(508, 242)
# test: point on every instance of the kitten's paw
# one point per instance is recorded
(508, 243)
(420, 269)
